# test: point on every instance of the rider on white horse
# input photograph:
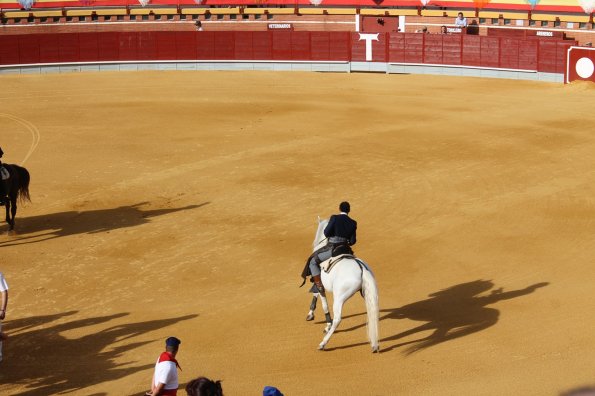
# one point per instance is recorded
(340, 231)
(4, 175)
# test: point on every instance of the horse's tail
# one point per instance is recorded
(370, 291)
(23, 180)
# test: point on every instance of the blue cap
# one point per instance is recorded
(173, 342)
(271, 391)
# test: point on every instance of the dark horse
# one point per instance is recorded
(17, 187)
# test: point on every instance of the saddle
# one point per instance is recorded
(4, 174)
(342, 249)
(328, 265)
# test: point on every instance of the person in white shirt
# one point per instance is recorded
(3, 304)
(461, 21)
(165, 379)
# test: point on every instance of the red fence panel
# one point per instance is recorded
(186, 45)
(396, 47)
(452, 49)
(69, 47)
(28, 49)
(340, 46)
(471, 50)
(547, 56)
(49, 48)
(147, 47)
(509, 53)
(300, 46)
(9, 50)
(528, 54)
(108, 46)
(561, 52)
(205, 45)
(281, 45)
(433, 49)
(128, 46)
(262, 45)
(414, 47)
(224, 46)
(320, 45)
(243, 48)
(89, 51)
(490, 51)
(165, 44)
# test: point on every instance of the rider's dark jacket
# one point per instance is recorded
(341, 229)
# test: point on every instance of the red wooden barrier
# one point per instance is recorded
(286, 45)
(581, 64)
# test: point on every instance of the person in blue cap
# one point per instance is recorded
(271, 391)
(165, 379)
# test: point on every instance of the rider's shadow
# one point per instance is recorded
(451, 313)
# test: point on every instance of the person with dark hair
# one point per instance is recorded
(340, 232)
(461, 21)
(443, 30)
(203, 386)
(165, 379)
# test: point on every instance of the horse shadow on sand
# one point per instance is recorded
(44, 362)
(448, 314)
(56, 225)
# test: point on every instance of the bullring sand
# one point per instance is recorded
(185, 203)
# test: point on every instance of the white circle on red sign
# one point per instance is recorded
(585, 67)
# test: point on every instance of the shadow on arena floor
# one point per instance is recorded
(62, 224)
(48, 363)
(451, 313)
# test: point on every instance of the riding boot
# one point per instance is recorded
(319, 285)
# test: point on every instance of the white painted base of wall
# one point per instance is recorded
(341, 67)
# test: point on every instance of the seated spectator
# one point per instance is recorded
(271, 391)
(424, 30)
(443, 30)
(203, 386)
(198, 25)
(461, 21)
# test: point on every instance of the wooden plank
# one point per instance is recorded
(111, 11)
(47, 14)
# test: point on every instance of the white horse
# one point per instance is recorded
(347, 277)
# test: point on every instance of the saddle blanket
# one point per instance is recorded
(4, 173)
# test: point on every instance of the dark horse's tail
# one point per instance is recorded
(20, 182)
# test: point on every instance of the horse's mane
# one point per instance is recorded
(319, 238)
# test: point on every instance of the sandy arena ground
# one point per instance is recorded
(185, 203)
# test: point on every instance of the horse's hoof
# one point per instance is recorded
(321, 347)
(376, 349)
(310, 317)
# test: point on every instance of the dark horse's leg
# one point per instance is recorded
(7, 205)
(13, 210)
